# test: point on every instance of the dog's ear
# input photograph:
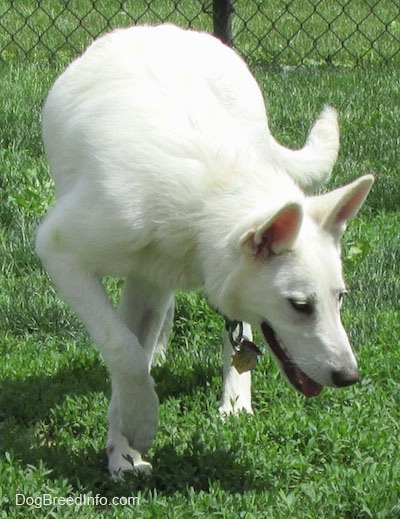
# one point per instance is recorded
(332, 210)
(277, 234)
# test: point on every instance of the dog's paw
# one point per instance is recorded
(232, 408)
(138, 411)
(127, 461)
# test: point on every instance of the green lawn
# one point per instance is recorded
(312, 32)
(336, 456)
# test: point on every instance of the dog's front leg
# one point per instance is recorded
(147, 310)
(126, 360)
(236, 388)
(121, 456)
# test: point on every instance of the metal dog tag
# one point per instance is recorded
(246, 356)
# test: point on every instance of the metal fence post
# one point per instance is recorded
(222, 10)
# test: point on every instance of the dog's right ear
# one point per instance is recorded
(332, 210)
(277, 234)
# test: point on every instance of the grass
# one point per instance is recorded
(310, 32)
(335, 456)
(313, 32)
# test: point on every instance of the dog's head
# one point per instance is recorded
(294, 287)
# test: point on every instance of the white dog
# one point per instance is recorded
(166, 174)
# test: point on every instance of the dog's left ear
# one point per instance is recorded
(332, 210)
(277, 234)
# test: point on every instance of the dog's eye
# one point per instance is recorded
(303, 307)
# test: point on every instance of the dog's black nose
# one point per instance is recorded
(345, 378)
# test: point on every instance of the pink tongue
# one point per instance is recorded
(309, 388)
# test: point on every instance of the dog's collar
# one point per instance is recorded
(245, 357)
(234, 338)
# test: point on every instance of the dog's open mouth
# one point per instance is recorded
(296, 376)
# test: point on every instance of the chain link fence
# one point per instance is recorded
(268, 32)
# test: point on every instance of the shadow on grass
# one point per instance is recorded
(170, 383)
(199, 466)
(29, 399)
(24, 403)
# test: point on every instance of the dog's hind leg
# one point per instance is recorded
(236, 388)
(145, 309)
(148, 311)
(160, 350)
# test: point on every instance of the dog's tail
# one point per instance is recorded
(311, 166)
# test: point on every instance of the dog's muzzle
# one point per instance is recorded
(302, 382)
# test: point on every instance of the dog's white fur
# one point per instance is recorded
(166, 174)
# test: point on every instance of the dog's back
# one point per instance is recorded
(143, 82)
(166, 92)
